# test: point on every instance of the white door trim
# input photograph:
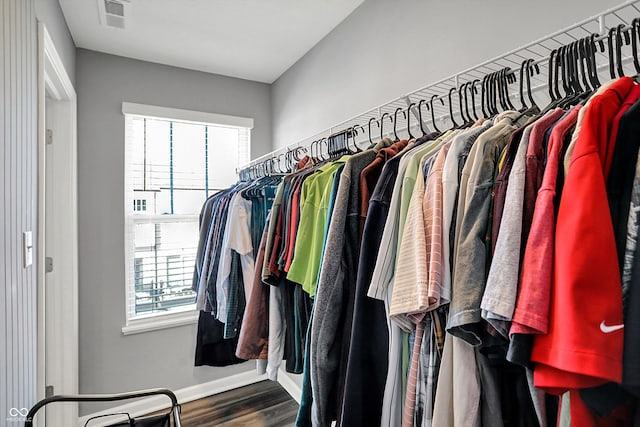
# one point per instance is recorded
(58, 291)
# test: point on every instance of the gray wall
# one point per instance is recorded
(109, 361)
(18, 186)
(386, 49)
(49, 12)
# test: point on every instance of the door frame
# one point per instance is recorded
(57, 293)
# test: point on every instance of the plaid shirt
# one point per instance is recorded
(430, 357)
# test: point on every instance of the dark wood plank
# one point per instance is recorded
(264, 404)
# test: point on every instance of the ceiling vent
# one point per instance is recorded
(113, 13)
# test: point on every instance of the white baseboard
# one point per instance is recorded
(291, 387)
(187, 394)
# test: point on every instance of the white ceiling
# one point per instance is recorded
(250, 39)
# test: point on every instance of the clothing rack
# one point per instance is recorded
(442, 92)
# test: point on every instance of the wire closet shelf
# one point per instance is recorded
(538, 51)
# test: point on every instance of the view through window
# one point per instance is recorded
(171, 168)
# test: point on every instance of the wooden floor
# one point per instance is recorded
(264, 404)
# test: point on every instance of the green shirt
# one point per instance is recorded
(409, 178)
(314, 205)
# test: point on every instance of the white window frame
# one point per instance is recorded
(156, 321)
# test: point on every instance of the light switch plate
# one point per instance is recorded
(27, 248)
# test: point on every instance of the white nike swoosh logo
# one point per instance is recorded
(608, 329)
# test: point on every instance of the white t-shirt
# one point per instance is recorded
(237, 237)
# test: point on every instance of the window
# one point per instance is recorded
(174, 160)
(139, 205)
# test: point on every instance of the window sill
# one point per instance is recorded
(163, 321)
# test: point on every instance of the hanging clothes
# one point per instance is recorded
(224, 268)
(484, 276)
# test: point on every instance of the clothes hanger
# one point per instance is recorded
(337, 145)
(433, 112)
(469, 89)
(556, 77)
(619, 33)
(611, 53)
(498, 90)
(455, 125)
(524, 74)
(325, 141)
(552, 95)
(504, 85)
(288, 159)
(413, 104)
(474, 91)
(572, 69)
(563, 70)
(497, 93)
(635, 25)
(395, 123)
(268, 164)
(568, 71)
(581, 78)
(272, 167)
(420, 116)
(334, 145)
(372, 119)
(467, 85)
(312, 151)
(554, 70)
(462, 116)
(567, 80)
(280, 164)
(465, 88)
(354, 133)
(492, 106)
(382, 123)
(585, 71)
(577, 56)
(276, 166)
(594, 63)
(508, 78)
(581, 75)
(483, 90)
(341, 144)
(582, 60)
(318, 154)
(529, 74)
(299, 151)
(524, 64)
(574, 56)
(559, 77)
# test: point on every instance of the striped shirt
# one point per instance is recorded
(418, 280)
